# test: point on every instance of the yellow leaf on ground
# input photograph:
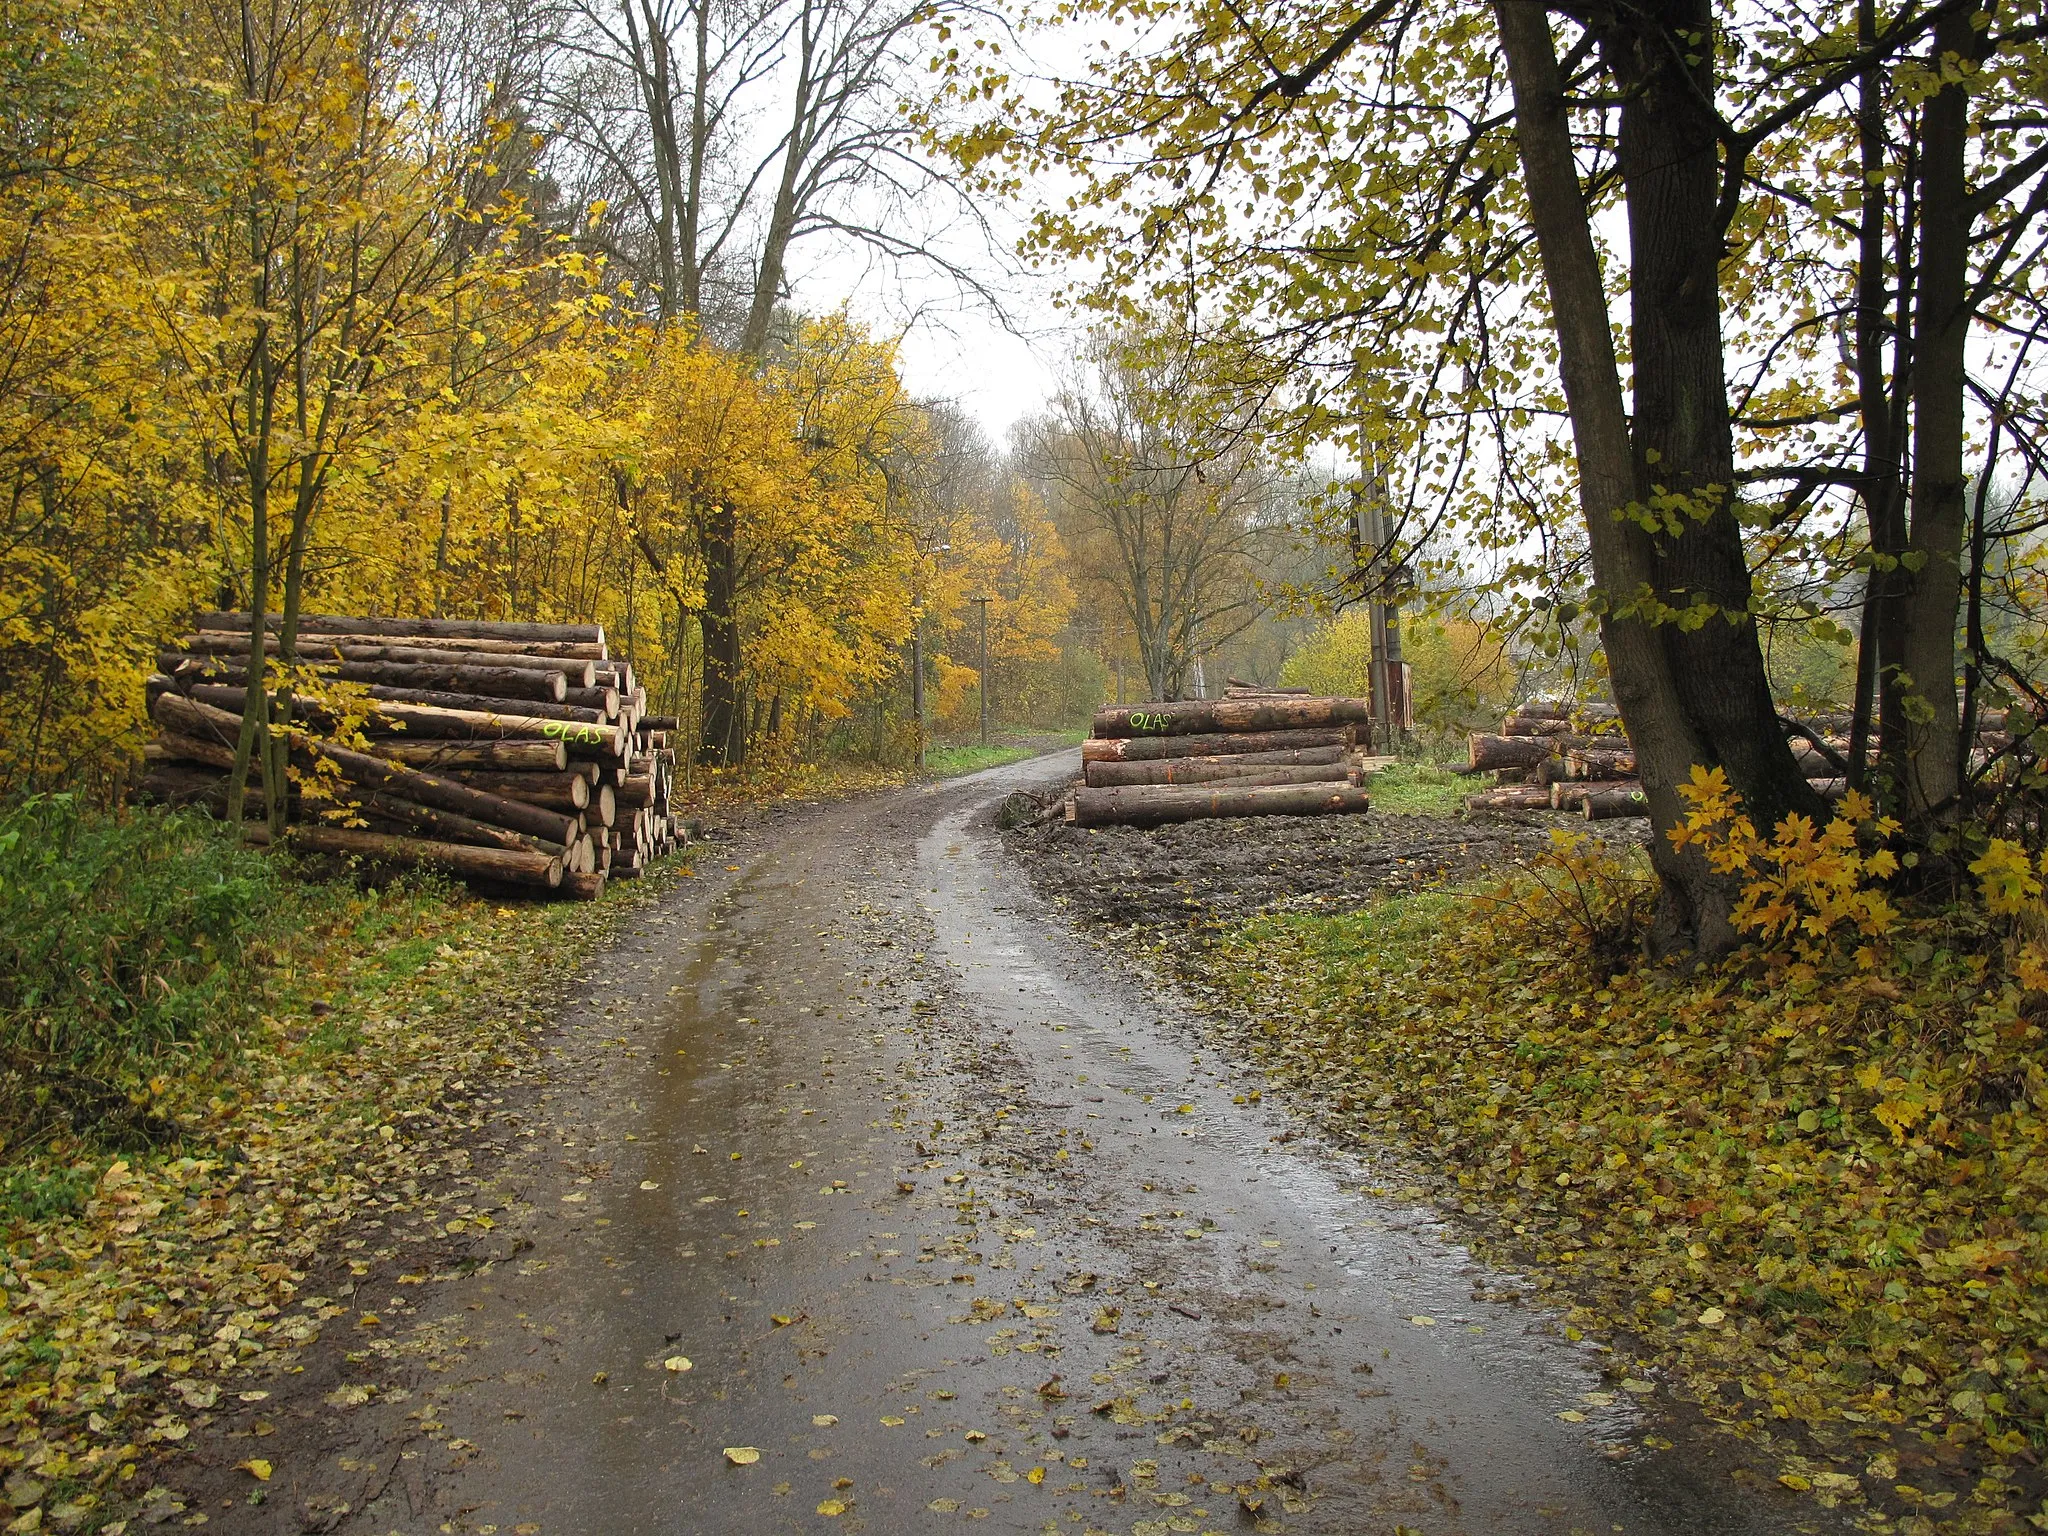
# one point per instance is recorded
(742, 1455)
(256, 1468)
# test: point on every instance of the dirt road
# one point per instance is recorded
(953, 1226)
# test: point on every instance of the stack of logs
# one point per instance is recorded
(1253, 752)
(510, 754)
(1575, 757)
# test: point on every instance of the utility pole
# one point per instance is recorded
(982, 603)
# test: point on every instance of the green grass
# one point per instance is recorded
(1418, 789)
(123, 935)
(950, 762)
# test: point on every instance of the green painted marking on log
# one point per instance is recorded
(569, 730)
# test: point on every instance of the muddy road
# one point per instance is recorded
(865, 1194)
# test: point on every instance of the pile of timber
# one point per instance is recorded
(509, 754)
(1254, 752)
(1575, 757)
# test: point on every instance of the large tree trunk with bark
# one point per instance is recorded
(1719, 711)
(1682, 441)
(1924, 757)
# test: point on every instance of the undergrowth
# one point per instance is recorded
(1418, 789)
(1811, 1182)
(125, 941)
(364, 1031)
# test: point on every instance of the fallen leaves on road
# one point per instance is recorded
(742, 1455)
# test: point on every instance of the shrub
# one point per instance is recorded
(122, 935)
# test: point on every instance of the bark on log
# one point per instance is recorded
(540, 870)
(1199, 716)
(444, 826)
(192, 717)
(1600, 763)
(661, 723)
(564, 792)
(584, 886)
(194, 749)
(1150, 749)
(1572, 796)
(1157, 804)
(1489, 752)
(636, 790)
(1565, 709)
(417, 721)
(524, 683)
(462, 629)
(454, 757)
(1611, 801)
(579, 673)
(604, 700)
(1521, 798)
(187, 717)
(482, 704)
(1208, 770)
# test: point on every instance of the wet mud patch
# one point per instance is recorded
(1206, 874)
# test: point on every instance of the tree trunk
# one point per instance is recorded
(564, 792)
(1683, 435)
(1156, 805)
(1194, 770)
(540, 686)
(1489, 754)
(1676, 319)
(1194, 716)
(1930, 581)
(577, 671)
(507, 756)
(721, 685)
(451, 629)
(540, 870)
(1249, 743)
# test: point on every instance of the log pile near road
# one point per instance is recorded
(1575, 757)
(511, 754)
(1253, 752)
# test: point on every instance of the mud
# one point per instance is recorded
(862, 1194)
(1202, 873)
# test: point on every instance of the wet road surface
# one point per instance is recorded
(866, 1196)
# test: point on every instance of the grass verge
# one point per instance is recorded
(362, 1033)
(1809, 1195)
(950, 762)
(1418, 789)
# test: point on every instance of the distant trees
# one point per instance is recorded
(307, 310)
(1390, 222)
(1167, 507)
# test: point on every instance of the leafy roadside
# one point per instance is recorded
(1807, 1185)
(140, 1288)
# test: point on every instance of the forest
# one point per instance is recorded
(1666, 371)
